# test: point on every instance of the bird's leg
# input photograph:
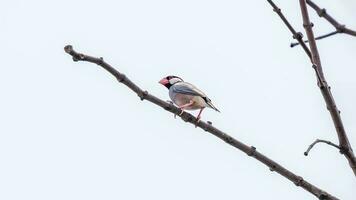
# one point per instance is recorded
(198, 117)
(185, 106)
(182, 107)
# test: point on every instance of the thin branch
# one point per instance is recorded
(344, 143)
(320, 141)
(317, 38)
(250, 151)
(296, 35)
(322, 13)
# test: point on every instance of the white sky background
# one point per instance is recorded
(70, 131)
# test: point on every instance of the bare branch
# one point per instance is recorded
(296, 35)
(325, 89)
(344, 143)
(317, 38)
(320, 141)
(250, 151)
(322, 13)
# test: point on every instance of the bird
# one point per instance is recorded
(186, 96)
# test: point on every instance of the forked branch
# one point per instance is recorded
(344, 144)
(322, 13)
(339, 28)
(249, 150)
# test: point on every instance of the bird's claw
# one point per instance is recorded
(197, 122)
(181, 113)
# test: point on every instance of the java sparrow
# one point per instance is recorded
(186, 96)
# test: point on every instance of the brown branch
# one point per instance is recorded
(250, 151)
(296, 35)
(320, 141)
(322, 13)
(345, 147)
(317, 38)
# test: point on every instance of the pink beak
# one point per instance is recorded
(164, 81)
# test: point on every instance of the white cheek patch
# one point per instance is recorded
(174, 80)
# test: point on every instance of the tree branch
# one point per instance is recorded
(296, 35)
(320, 141)
(345, 147)
(317, 38)
(322, 13)
(250, 151)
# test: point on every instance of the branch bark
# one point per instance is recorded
(249, 150)
(344, 144)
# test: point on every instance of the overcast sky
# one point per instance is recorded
(70, 131)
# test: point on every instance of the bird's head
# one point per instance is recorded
(170, 80)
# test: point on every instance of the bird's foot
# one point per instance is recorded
(180, 114)
(197, 122)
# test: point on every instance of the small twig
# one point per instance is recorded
(187, 117)
(320, 141)
(317, 38)
(296, 35)
(322, 13)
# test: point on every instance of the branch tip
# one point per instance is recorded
(68, 49)
(321, 141)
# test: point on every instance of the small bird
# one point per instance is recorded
(186, 96)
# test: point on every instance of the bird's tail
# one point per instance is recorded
(212, 106)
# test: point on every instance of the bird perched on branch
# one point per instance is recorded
(186, 96)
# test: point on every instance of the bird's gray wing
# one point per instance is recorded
(187, 88)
